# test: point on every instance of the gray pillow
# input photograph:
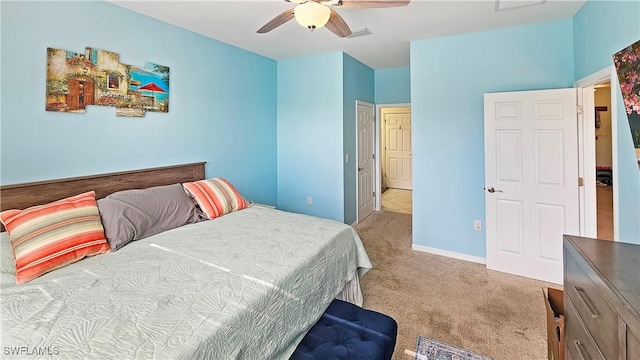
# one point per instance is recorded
(136, 214)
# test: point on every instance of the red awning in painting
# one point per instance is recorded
(151, 87)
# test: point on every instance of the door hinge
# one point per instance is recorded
(373, 156)
(580, 181)
(374, 194)
(579, 109)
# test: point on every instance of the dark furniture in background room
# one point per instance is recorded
(603, 174)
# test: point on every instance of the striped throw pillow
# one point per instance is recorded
(50, 236)
(216, 197)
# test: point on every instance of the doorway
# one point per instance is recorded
(604, 161)
(598, 209)
(395, 164)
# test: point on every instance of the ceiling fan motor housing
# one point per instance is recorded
(312, 15)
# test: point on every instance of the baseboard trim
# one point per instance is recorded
(450, 254)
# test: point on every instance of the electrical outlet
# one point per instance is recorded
(309, 201)
(477, 225)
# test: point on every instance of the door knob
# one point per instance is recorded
(492, 190)
(360, 168)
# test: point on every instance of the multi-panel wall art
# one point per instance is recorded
(627, 62)
(96, 77)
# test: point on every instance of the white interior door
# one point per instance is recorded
(397, 149)
(365, 129)
(531, 179)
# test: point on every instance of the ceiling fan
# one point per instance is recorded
(314, 14)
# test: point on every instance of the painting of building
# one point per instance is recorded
(96, 77)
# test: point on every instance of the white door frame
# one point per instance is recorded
(587, 149)
(375, 153)
(378, 149)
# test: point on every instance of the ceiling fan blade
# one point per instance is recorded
(337, 25)
(276, 21)
(371, 4)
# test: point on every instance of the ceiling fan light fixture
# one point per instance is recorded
(312, 15)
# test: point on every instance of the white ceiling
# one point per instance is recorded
(235, 22)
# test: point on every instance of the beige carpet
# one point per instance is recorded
(457, 302)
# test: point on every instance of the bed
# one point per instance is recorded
(247, 285)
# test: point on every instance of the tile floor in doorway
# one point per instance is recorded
(397, 200)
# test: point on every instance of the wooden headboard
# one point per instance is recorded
(21, 196)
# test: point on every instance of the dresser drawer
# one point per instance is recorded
(596, 313)
(633, 342)
(580, 345)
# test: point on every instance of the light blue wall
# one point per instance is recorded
(310, 135)
(449, 76)
(358, 85)
(393, 86)
(601, 29)
(223, 100)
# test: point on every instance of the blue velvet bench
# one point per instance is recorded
(347, 331)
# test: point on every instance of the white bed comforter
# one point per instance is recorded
(247, 285)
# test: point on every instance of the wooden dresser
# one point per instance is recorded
(601, 299)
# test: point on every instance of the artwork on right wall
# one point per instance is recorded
(627, 62)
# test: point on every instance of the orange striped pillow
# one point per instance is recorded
(216, 197)
(50, 236)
